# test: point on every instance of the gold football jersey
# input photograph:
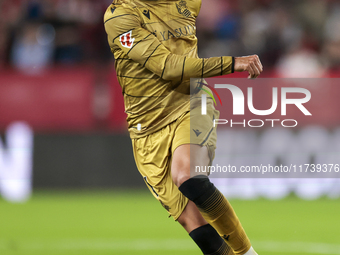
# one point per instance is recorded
(155, 47)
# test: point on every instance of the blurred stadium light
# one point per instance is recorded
(16, 163)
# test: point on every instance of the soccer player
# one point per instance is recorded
(155, 47)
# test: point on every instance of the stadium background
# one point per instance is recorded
(73, 152)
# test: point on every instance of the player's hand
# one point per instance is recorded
(251, 64)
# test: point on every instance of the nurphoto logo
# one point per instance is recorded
(239, 105)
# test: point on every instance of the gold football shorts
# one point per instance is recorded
(153, 154)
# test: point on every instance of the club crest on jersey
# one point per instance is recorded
(182, 8)
(126, 40)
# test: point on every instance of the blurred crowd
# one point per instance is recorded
(297, 38)
(40, 33)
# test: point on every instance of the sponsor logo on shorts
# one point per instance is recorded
(197, 132)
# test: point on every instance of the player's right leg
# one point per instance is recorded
(194, 145)
(212, 205)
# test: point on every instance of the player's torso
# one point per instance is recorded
(148, 98)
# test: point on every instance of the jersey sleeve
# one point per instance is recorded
(124, 29)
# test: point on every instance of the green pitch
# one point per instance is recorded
(134, 223)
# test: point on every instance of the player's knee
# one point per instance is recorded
(197, 188)
(189, 222)
(184, 221)
(181, 178)
(191, 218)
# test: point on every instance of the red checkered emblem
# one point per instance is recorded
(126, 39)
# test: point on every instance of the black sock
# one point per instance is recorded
(209, 241)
